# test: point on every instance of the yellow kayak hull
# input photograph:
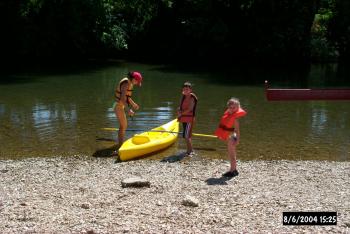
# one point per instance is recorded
(149, 142)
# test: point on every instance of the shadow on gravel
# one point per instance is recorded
(104, 139)
(174, 158)
(204, 149)
(108, 152)
(218, 181)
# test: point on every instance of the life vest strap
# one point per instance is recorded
(129, 90)
(226, 128)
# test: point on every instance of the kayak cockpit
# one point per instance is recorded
(140, 139)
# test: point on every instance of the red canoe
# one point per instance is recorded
(305, 94)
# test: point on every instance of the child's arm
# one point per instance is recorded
(133, 104)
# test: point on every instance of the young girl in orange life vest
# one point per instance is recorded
(228, 131)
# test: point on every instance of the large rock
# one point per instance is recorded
(190, 201)
(135, 182)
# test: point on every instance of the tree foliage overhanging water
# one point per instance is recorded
(169, 30)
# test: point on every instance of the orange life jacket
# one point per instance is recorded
(118, 93)
(185, 104)
(227, 121)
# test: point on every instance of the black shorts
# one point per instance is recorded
(187, 130)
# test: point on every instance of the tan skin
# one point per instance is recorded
(121, 115)
(231, 144)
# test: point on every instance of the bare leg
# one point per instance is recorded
(123, 124)
(232, 155)
(188, 133)
(189, 145)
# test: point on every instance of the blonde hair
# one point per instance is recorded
(233, 101)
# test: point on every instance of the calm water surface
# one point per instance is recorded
(56, 113)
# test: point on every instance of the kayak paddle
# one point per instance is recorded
(141, 130)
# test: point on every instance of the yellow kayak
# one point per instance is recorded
(149, 142)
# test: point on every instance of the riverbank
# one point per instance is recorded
(84, 195)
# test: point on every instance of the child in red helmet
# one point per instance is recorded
(123, 94)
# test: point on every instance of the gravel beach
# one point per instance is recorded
(85, 195)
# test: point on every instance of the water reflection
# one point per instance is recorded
(43, 122)
(146, 118)
(16, 119)
(318, 121)
(48, 118)
(2, 109)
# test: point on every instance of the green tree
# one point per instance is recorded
(177, 30)
(340, 29)
(10, 26)
(250, 30)
(322, 49)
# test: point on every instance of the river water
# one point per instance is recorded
(61, 113)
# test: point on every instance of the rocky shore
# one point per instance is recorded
(86, 195)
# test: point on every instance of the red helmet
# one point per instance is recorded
(137, 76)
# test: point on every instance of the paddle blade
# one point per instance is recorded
(203, 135)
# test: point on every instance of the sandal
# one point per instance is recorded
(115, 153)
(191, 154)
(230, 174)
